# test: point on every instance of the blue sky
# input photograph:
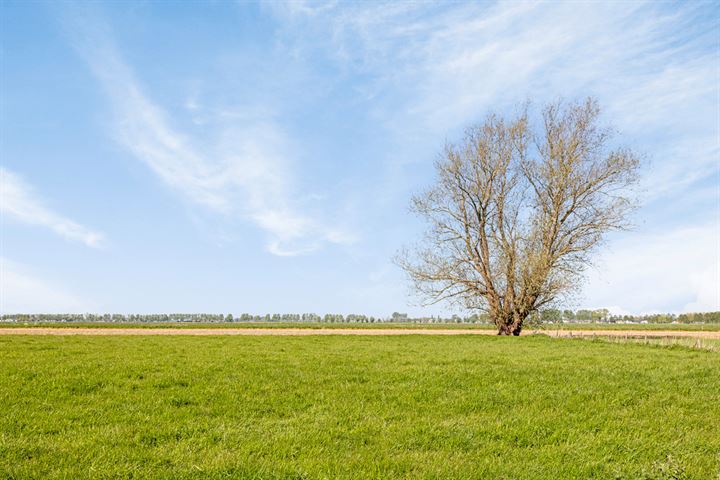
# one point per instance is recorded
(259, 157)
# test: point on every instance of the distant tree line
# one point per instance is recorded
(552, 315)
(549, 316)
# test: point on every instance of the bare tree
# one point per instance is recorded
(517, 211)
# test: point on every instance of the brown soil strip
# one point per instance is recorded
(338, 331)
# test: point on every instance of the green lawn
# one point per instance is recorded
(355, 407)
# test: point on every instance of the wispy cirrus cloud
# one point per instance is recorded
(429, 69)
(19, 202)
(243, 169)
(432, 69)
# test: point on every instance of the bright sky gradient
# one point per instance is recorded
(259, 157)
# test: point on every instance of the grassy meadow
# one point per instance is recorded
(356, 407)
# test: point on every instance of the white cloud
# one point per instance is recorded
(433, 69)
(654, 67)
(22, 292)
(243, 170)
(674, 270)
(19, 202)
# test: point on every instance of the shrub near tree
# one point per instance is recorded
(517, 210)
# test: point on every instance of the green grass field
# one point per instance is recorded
(356, 407)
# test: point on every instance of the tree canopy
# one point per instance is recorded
(517, 210)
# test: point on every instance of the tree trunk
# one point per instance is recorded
(503, 329)
(509, 329)
(509, 326)
(517, 329)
